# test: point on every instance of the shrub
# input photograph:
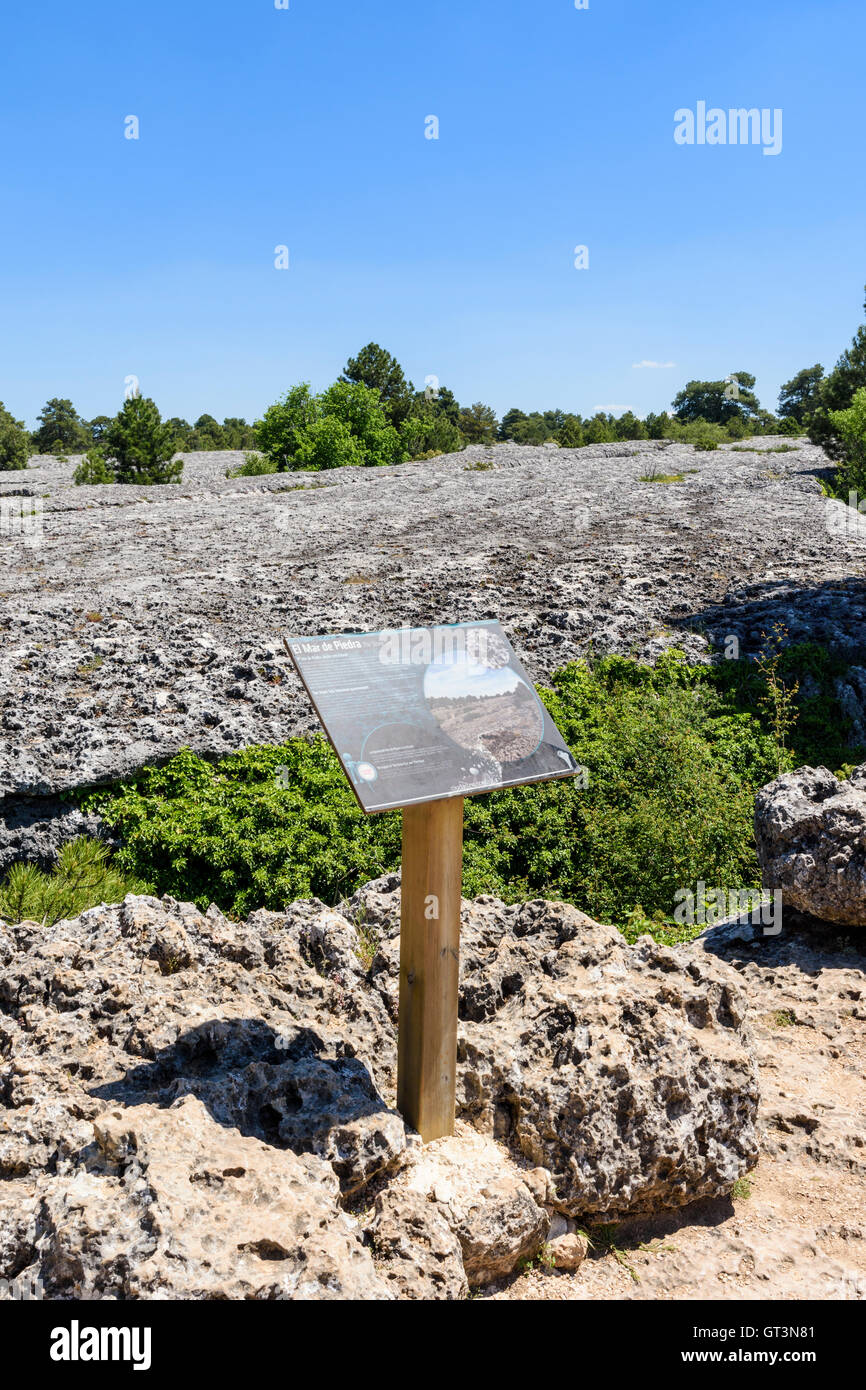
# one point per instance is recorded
(345, 425)
(93, 468)
(81, 878)
(673, 755)
(359, 408)
(14, 442)
(253, 466)
(850, 428)
(329, 443)
(141, 446)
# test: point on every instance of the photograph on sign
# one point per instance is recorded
(419, 714)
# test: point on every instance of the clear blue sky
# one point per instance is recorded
(305, 127)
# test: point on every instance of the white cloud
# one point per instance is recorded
(612, 409)
(660, 366)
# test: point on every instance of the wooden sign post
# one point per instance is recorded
(429, 965)
(420, 718)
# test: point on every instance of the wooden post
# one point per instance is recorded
(429, 962)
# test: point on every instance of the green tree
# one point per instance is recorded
(361, 409)
(93, 468)
(571, 434)
(512, 423)
(478, 423)
(182, 431)
(837, 394)
(237, 434)
(599, 430)
(628, 426)
(657, 425)
(329, 443)
(206, 434)
(141, 446)
(98, 425)
(60, 427)
(445, 404)
(718, 401)
(278, 433)
(14, 442)
(377, 369)
(849, 427)
(426, 431)
(801, 396)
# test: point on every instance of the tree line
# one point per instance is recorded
(373, 415)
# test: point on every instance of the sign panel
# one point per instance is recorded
(420, 714)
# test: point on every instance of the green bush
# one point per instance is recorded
(673, 757)
(359, 408)
(81, 878)
(93, 468)
(701, 434)
(344, 426)
(14, 442)
(253, 466)
(850, 428)
(329, 443)
(278, 433)
(141, 446)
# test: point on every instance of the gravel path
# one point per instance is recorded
(144, 619)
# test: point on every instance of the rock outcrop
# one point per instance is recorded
(626, 1072)
(194, 1107)
(810, 830)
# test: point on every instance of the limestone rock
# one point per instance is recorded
(416, 1251)
(146, 1042)
(172, 1205)
(627, 1072)
(810, 831)
(568, 1251)
(484, 1198)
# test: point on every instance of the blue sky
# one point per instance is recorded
(305, 127)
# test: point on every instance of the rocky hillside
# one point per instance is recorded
(149, 618)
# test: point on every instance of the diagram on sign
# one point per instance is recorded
(420, 714)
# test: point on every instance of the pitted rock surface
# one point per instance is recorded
(273, 1053)
(810, 830)
(146, 619)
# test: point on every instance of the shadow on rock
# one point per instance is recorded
(276, 1088)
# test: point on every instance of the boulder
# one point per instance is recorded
(415, 1250)
(171, 1205)
(626, 1072)
(810, 830)
(483, 1197)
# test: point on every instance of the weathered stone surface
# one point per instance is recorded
(483, 1197)
(810, 830)
(172, 1205)
(626, 1072)
(568, 1251)
(415, 1249)
(189, 588)
(596, 1078)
